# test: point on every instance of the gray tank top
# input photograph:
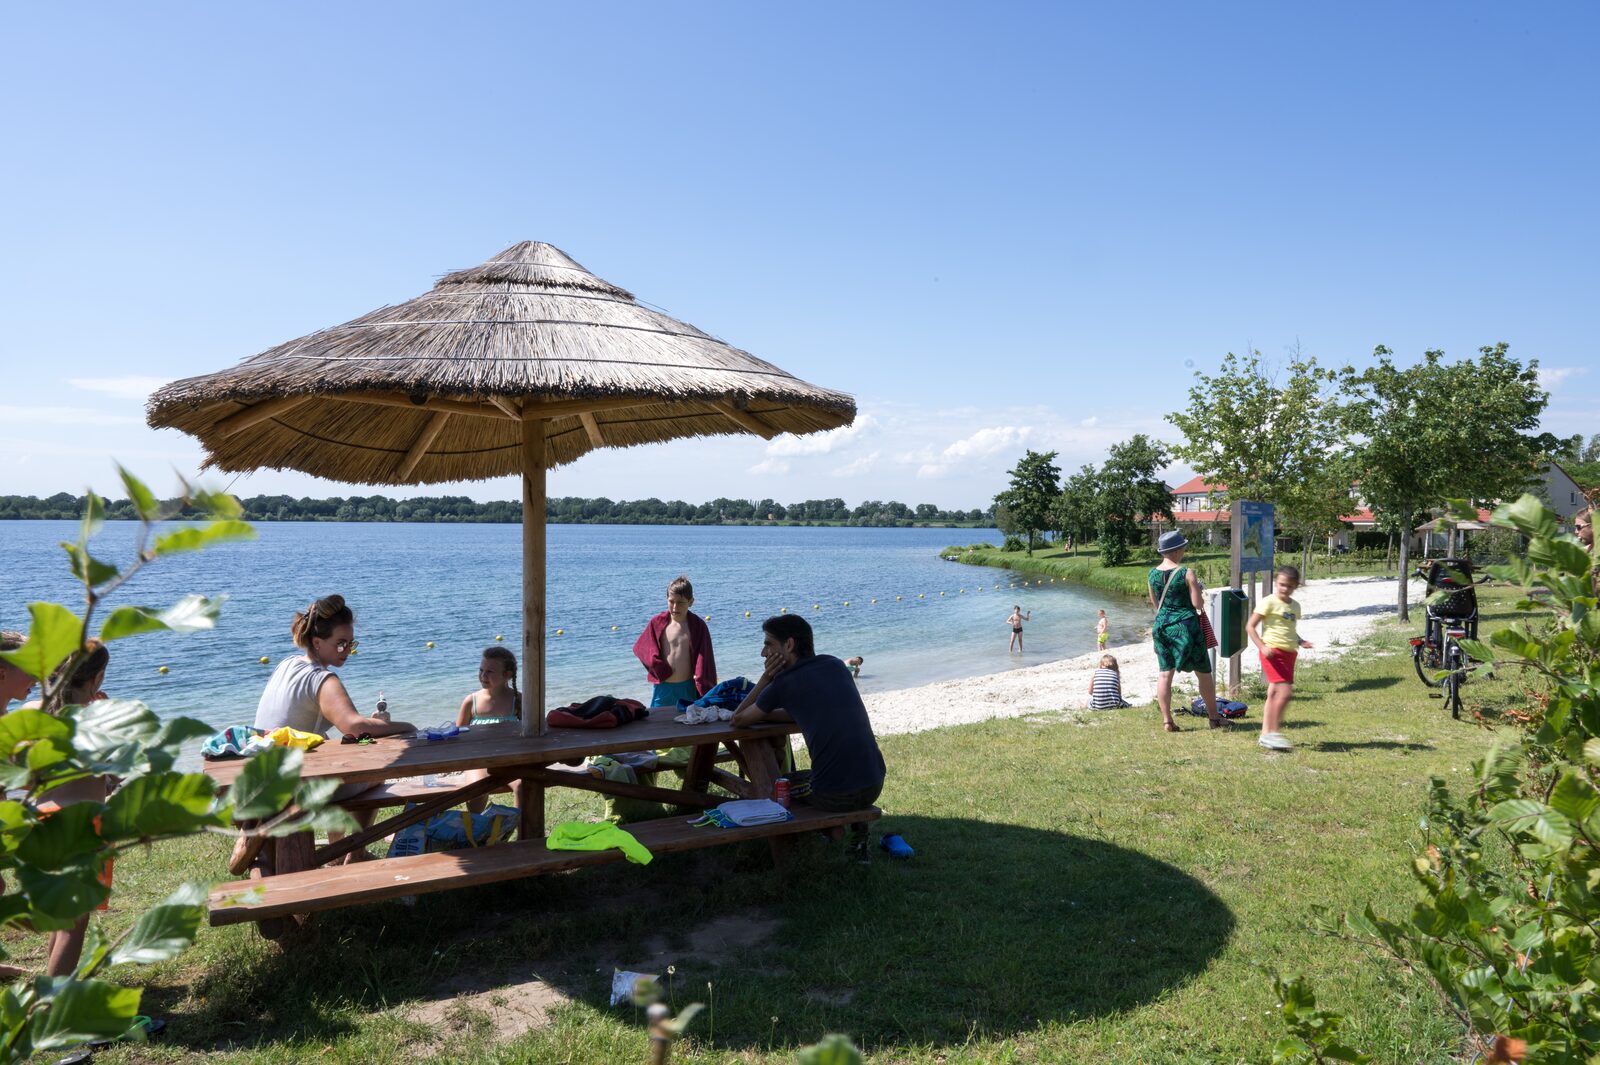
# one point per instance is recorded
(290, 697)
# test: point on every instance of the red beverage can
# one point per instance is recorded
(780, 792)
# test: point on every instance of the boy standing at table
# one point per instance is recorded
(675, 648)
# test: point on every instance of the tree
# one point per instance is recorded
(1131, 492)
(1035, 483)
(1076, 511)
(1282, 444)
(1436, 430)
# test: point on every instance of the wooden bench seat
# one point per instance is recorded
(336, 886)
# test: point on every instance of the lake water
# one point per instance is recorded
(459, 586)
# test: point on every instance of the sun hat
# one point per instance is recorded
(1171, 541)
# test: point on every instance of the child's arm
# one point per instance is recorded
(1253, 627)
(1091, 684)
(464, 715)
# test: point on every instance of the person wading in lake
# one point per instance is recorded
(1180, 642)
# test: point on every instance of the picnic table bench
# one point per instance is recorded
(294, 877)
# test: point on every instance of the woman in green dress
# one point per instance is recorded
(1180, 642)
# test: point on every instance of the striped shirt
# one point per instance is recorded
(1105, 690)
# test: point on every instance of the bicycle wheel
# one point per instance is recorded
(1416, 662)
(1452, 682)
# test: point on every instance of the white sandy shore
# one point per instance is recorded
(1338, 612)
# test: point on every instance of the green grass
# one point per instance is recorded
(1083, 566)
(1086, 888)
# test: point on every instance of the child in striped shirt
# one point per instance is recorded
(1105, 686)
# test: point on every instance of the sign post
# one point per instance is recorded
(1253, 533)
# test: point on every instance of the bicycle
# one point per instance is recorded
(1449, 620)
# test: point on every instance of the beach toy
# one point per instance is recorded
(161, 669)
(430, 644)
(443, 732)
(265, 660)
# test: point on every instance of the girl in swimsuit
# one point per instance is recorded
(496, 701)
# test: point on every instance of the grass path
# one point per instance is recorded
(1086, 888)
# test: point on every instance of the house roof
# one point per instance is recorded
(1195, 486)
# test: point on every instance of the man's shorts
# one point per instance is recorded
(1277, 665)
(1104, 638)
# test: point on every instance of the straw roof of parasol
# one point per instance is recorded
(436, 388)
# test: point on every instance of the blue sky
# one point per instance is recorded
(998, 226)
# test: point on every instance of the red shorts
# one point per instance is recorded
(1278, 665)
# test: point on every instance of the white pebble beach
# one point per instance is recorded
(1338, 612)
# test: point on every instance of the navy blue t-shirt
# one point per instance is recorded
(821, 696)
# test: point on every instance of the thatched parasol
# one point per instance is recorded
(512, 367)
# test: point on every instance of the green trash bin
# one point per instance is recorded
(1230, 610)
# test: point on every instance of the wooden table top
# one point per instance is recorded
(497, 746)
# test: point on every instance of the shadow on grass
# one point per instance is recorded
(991, 927)
(1367, 684)
(1340, 746)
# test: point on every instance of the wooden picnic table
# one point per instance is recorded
(287, 870)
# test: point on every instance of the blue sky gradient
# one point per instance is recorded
(998, 227)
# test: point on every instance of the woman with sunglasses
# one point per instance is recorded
(304, 692)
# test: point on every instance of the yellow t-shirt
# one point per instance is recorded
(1278, 620)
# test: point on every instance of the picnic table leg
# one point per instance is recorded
(294, 854)
(700, 764)
(762, 765)
(530, 798)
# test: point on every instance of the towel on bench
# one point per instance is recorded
(582, 836)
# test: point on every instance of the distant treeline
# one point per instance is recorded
(565, 510)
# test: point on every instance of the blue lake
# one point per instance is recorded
(459, 586)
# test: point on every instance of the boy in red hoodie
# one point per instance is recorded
(675, 648)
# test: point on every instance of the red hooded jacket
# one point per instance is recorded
(647, 648)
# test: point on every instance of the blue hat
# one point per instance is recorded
(1171, 541)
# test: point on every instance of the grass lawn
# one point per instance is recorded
(1086, 888)
(1083, 565)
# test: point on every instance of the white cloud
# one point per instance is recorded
(859, 466)
(770, 465)
(986, 442)
(1552, 377)
(1091, 421)
(64, 416)
(122, 387)
(790, 446)
(928, 471)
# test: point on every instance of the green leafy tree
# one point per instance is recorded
(1278, 442)
(1075, 513)
(1131, 493)
(50, 865)
(1439, 430)
(1035, 483)
(1506, 922)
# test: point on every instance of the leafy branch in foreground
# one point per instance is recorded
(53, 853)
(1507, 921)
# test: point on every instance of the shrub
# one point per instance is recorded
(1014, 543)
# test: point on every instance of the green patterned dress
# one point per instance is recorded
(1180, 643)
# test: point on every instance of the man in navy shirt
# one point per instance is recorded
(817, 693)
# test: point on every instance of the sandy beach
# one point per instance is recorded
(1338, 612)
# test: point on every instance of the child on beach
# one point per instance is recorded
(1102, 631)
(1105, 685)
(1015, 621)
(497, 700)
(675, 648)
(1273, 629)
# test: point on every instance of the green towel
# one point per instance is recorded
(583, 836)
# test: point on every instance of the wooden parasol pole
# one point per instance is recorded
(533, 561)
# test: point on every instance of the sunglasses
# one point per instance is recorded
(341, 646)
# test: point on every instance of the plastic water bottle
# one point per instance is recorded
(383, 707)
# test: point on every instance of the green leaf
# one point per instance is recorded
(316, 793)
(139, 494)
(63, 839)
(192, 613)
(21, 729)
(1567, 556)
(835, 1049)
(94, 516)
(103, 726)
(1535, 818)
(266, 783)
(54, 634)
(83, 1010)
(193, 539)
(219, 506)
(85, 567)
(58, 899)
(1591, 751)
(162, 804)
(1528, 515)
(165, 930)
(1574, 796)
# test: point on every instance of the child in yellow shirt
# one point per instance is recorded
(1273, 630)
